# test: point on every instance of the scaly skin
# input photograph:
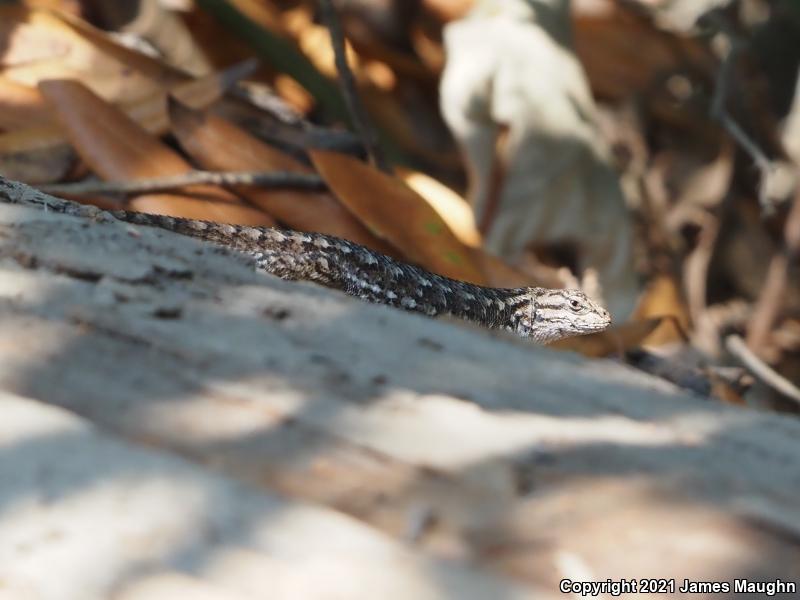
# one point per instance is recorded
(540, 314)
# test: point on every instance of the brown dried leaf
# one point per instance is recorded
(150, 112)
(447, 10)
(21, 106)
(397, 213)
(219, 145)
(663, 298)
(605, 33)
(261, 13)
(452, 208)
(116, 148)
(428, 48)
(157, 71)
(723, 390)
(501, 274)
(379, 86)
(42, 44)
(458, 215)
(72, 7)
(112, 144)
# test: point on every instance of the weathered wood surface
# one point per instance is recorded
(498, 468)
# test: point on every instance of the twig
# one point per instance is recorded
(760, 369)
(695, 282)
(773, 291)
(769, 304)
(288, 129)
(297, 181)
(347, 84)
(695, 275)
(720, 113)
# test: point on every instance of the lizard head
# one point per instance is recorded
(549, 315)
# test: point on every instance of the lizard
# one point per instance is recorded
(540, 314)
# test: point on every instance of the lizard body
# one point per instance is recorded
(541, 314)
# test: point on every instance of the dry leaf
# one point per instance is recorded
(501, 274)
(452, 208)
(21, 106)
(398, 214)
(42, 44)
(150, 111)
(605, 33)
(116, 148)
(378, 88)
(723, 390)
(262, 14)
(157, 71)
(447, 10)
(662, 298)
(218, 145)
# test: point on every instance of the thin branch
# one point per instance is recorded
(769, 304)
(760, 369)
(287, 128)
(295, 181)
(773, 291)
(720, 113)
(695, 273)
(695, 282)
(347, 83)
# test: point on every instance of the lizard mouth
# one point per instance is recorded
(593, 326)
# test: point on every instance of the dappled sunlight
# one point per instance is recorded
(449, 433)
(501, 301)
(673, 534)
(224, 411)
(65, 489)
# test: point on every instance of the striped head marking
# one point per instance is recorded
(555, 314)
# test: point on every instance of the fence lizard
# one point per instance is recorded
(540, 314)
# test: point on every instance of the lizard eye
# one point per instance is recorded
(574, 304)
